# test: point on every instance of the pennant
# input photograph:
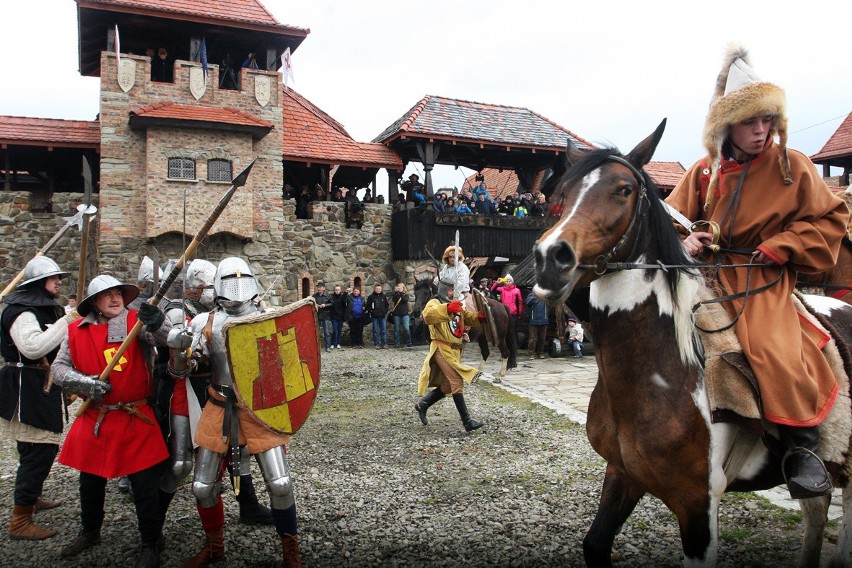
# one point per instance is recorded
(204, 57)
(287, 66)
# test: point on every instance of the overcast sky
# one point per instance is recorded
(607, 71)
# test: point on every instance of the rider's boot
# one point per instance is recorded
(422, 405)
(469, 423)
(803, 470)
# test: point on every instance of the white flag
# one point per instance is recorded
(287, 66)
(117, 51)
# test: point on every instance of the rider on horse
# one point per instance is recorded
(768, 206)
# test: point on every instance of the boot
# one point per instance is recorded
(43, 505)
(149, 556)
(803, 470)
(422, 405)
(213, 551)
(252, 512)
(21, 526)
(290, 551)
(124, 485)
(86, 539)
(469, 423)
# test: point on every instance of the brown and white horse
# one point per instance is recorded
(649, 414)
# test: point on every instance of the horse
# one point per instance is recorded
(837, 281)
(649, 415)
(425, 289)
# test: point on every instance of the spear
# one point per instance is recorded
(84, 237)
(239, 181)
(76, 219)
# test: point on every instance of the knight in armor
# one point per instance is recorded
(770, 207)
(226, 427)
(443, 369)
(32, 326)
(145, 282)
(184, 384)
(117, 434)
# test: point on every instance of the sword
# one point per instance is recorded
(238, 182)
(705, 226)
(75, 220)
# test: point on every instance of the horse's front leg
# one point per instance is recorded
(815, 515)
(484, 350)
(844, 539)
(618, 499)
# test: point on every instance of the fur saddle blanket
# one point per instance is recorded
(734, 396)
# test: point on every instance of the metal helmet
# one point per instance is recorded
(103, 282)
(40, 267)
(146, 271)
(234, 281)
(200, 274)
(176, 289)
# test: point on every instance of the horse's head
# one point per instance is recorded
(609, 207)
(424, 289)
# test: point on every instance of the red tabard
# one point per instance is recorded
(125, 444)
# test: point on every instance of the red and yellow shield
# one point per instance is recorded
(274, 358)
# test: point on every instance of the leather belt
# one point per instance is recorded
(131, 408)
(20, 365)
(456, 346)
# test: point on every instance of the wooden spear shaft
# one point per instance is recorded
(239, 181)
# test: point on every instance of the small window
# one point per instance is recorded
(181, 168)
(219, 170)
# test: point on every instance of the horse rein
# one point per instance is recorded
(602, 263)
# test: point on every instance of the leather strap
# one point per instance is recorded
(131, 408)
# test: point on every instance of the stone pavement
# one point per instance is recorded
(564, 384)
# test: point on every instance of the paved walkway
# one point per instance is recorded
(565, 384)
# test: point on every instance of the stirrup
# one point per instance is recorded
(798, 491)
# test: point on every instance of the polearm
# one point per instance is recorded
(238, 182)
(84, 238)
(76, 219)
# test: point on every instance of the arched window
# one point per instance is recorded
(181, 168)
(356, 282)
(306, 287)
(219, 170)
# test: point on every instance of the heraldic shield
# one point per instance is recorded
(274, 359)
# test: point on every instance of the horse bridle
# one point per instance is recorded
(602, 263)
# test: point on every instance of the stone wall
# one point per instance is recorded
(24, 232)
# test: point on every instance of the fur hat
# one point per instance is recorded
(739, 95)
(451, 251)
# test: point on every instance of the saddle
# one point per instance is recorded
(734, 396)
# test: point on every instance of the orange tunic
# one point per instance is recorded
(800, 226)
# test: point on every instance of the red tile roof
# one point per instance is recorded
(248, 11)
(499, 184)
(840, 143)
(311, 135)
(49, 132)
(665, 174)
(193, 113)
(454, 119)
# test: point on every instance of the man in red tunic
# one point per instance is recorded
(117, 434)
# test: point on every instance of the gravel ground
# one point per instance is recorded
(376, 488)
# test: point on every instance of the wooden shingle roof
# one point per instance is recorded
(27, 131)
(312, 136)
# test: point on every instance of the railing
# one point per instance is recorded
(415, 230)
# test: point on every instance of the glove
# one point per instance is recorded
(151, 316)
(85, 385)
(454, 307)
(480, 316)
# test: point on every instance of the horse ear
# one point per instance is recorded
(642, 153)
(572, 154)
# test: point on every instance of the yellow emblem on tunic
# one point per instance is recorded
(110, 353)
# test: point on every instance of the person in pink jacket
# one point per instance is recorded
(510, 296)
